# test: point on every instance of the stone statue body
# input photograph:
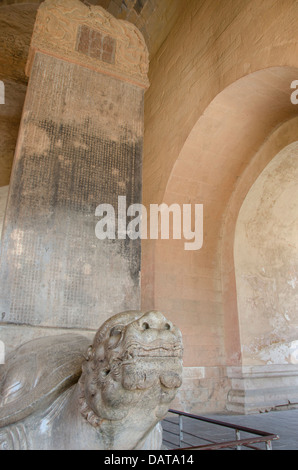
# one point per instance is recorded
(61, 393)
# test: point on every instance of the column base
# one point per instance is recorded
(262, 388)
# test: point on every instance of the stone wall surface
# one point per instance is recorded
(267, 269)
(186, 162)
(256, 389)
(220, 88)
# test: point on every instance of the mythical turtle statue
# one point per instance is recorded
(61, 393)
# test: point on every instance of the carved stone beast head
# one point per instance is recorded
(135, 363)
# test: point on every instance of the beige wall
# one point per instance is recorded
(266, 263)
(198, 288)
(220, 87)
(213, 44)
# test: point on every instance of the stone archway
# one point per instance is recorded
(266, 264)
(198, 288)
(267, 296)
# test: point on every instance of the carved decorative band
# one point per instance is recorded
(91, 37)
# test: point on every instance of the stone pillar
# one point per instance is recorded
(79, 145)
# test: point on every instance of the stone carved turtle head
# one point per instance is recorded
(135, 362)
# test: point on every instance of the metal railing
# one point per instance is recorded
(238, 443)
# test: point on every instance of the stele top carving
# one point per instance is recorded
(116, 47)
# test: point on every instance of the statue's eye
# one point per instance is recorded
(104, 373)
(115, 331)
(115, 337)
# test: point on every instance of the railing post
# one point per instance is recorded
(238, 438)
(268, 445)
(237, 444)
(180, 430)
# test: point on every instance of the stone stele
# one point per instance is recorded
(61, 393)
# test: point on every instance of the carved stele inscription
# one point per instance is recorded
(91, 37)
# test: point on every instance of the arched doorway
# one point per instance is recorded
(197, 288)
(266, 264)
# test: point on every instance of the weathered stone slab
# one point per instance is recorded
(80, 145)
(91, 37)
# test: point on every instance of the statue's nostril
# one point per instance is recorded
(167, 326)
(145, 326)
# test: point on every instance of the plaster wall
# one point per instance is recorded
(266, 264)
(199, 141)
(212, 44)
(220, 89)
(262, 385)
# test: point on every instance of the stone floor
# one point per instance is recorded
(282, 423)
